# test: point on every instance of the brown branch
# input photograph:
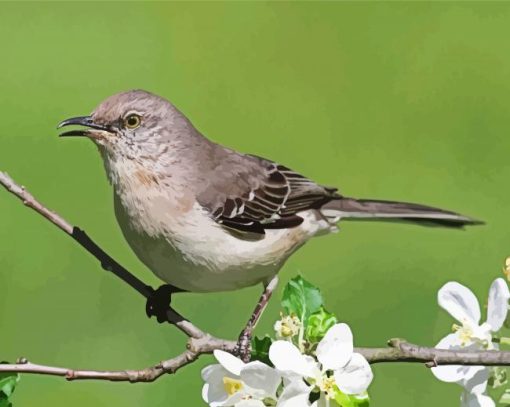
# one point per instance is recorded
(200, 342)
(195, 348)
(398, 351)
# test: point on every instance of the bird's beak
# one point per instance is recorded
(86, 121)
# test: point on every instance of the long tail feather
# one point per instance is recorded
(371, 209)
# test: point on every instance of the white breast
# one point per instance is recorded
(178, 240)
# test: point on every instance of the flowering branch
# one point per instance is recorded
(399, 350)
(200, 342)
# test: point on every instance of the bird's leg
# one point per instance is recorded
(159, 301)
(243, 343)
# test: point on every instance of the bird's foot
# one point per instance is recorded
(159, 302)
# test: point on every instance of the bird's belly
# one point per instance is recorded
(189, 273)
(209, 265)
(196, 254)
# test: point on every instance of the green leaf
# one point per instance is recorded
(498, 377)
(8, 382)
(318, 324)
(260, 349)
(346, 400)
(301, 298)
(4, 401)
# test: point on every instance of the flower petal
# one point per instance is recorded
(355, 377)
(450, 373)
(314, 372)
(497, 307)
(335, 349)
(460, 302)
(262, 380)
(206, 391)
(295, 394)
(482, 333)
(229, 362)
(455, 373)
(450, 341)
(476, 382)
(233, 399)
(286, 357)
(213, 391)
(467, 376)
(250, 403)
(468, 399)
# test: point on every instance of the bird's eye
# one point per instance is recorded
(132, 121)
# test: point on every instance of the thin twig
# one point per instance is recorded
(200, 342)
(400, 350)
(106, 261)
(195, 348)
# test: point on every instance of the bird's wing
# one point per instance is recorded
(251, 194)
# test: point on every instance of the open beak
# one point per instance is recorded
(85, 121)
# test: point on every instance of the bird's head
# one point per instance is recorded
(131, 124)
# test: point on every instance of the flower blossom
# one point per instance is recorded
(460, 302)
(287, 326)
(235, 383)
(337, 368)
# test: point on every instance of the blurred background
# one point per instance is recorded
(406, 101)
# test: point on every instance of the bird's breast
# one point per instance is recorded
(178, 240)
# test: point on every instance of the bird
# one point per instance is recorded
(206, 218)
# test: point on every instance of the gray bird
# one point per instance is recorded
(207, 218)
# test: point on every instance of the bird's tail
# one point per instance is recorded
(371, 209)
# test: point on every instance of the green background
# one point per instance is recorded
(402, 101)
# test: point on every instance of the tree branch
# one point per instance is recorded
(106, 261)
(200, 342)
(194, 348)
(398, 351)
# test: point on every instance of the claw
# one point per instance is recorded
(157, 305)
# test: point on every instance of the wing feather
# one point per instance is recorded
(251, 194)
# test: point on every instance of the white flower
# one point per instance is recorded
(460, 302)
(287, 326)
(473, 395)
(351, 371)
(476, 400)
(239, 384)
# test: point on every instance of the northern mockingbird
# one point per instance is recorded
(207, 218)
